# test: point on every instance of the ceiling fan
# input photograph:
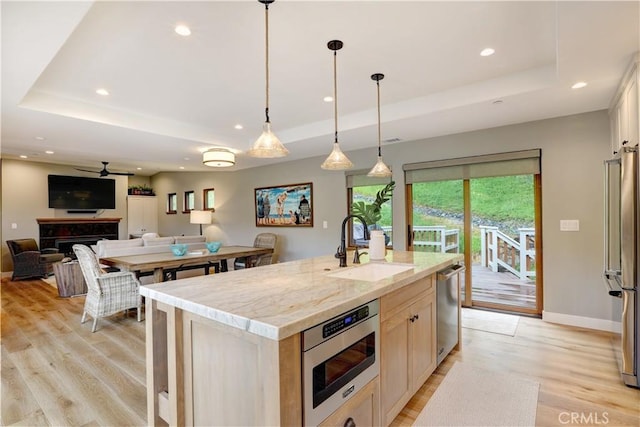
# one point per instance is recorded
(105, 172)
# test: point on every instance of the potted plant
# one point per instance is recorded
(371, 211)
(140, 190)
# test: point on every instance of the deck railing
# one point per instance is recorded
(432, 238)
(500, 250)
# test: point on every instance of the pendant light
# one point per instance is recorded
(267, 145)
(379, 169)
(336, 160)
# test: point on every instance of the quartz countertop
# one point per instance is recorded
(280, 300)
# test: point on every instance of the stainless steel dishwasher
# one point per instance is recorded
(447, 303)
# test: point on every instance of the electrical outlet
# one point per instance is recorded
(14, 226)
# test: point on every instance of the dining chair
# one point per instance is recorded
(108, 293)
(262, 240)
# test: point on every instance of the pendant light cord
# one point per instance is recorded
(335, 95)
(266, 38)
(379, 149)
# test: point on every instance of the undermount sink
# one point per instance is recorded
(372, 272)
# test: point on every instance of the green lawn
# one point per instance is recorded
(502, 200)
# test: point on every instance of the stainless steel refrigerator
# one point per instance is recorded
(622, 253)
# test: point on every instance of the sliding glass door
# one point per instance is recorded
(492, 216)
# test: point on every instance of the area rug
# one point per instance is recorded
(488, 321)
(470, 396)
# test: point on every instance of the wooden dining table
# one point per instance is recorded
(167, 261)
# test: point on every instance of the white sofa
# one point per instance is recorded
(152, 245)
(145, 245)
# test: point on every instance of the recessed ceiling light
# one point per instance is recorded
(181, 167)
(102, 91)
(139, 169)
(238, 126)
(183, 30)
(579, 85)
(49, 152)
(40, 138)
(328, 99)
(487, 51)
(22, 156)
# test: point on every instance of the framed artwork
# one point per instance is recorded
(284, 206)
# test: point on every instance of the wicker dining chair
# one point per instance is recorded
(108, 293)
(262, 240)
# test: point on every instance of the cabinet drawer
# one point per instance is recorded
(363, 409)
(392, 303)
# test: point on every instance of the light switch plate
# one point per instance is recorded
(569, 225)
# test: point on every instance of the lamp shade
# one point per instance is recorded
(218, 158)
(200, 217)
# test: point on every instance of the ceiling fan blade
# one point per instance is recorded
(86, 170)
(122, 173)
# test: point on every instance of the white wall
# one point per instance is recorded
(573, 150)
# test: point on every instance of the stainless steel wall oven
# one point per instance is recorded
(340, 356)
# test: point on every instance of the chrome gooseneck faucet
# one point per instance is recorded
(341, 253)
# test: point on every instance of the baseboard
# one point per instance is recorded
(582, 322)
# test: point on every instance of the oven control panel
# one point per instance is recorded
(325, 331)
(346, 320)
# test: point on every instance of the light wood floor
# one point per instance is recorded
(56, 372)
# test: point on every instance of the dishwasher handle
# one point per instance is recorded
(449, 272)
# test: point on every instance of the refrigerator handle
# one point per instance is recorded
(612, 276)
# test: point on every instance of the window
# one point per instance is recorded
(189, 201)
(172, 203)
(361, 188)
(208, 199)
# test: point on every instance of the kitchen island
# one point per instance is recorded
(226, 349)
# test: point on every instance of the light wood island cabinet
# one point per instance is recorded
(226, 349)
(363, 409)
(408, 344)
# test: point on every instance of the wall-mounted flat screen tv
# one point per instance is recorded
(81, 193)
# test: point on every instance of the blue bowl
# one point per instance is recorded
(213, 246)
(179, 249)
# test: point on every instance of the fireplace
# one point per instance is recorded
(63, 233)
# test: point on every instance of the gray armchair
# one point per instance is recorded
(107, 293)
(29, 261)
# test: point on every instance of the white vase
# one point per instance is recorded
(377, 247)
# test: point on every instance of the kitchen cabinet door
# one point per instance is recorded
(408, 344)
(395, 365)
(142, 215)
(423, 339)
(624, 119)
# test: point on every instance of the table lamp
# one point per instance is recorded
(200, 217)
